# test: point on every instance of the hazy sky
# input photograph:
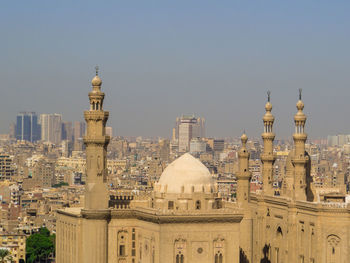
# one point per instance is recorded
(160, 59)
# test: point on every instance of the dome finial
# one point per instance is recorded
(300, 90)
(244, 139)
(96, 81)
(97, 68)
(268, 95)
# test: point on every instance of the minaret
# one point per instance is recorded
(96, 141)
(95, 213)
(300, 158)
(244, 175)
(267, 157)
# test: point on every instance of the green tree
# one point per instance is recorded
(40, 246)
(5, 255)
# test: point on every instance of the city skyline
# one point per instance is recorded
(161, 60)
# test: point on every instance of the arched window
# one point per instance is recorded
(93, 106)
(180, 258)
(122, 241)
(198, 204)
(97, 105)
(218, 257)
(333, 249)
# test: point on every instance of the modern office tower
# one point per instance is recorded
(51, 128)
(67, 131)
(7, 168)
(27, 128)
(198, 126)
(79, 130)
(186, 128)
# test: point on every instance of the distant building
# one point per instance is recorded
(67, 131)
(79, 130)
(215, 145)
(109, 131)
(7, 169)
(164, 150)
(27, 128)
(197, 146)
(188, 127)
(44, 173)
(51, 128)
(16, 244)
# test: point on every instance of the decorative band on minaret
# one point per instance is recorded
(244, 175)
(96, 141)
(300, 158)
(268, 157)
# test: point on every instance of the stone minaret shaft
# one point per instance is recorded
(244, 175)
(300, 158)
(96, 141)
(268, 157)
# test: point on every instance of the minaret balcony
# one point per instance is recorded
(300, 159)
(268, 136)
(96, 115)
(300, 137)
(97, 140)
(266, 157)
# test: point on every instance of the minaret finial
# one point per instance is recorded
(96, 68)
(300, 90)
(268, 95)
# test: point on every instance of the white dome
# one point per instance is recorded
(185, 174)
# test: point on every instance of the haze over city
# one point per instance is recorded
(161, 59)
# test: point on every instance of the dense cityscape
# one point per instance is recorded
(174, 131)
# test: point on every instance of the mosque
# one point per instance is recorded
(185, 221)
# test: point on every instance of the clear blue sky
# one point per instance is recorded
(159, 59)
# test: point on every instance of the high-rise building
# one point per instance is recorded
(198, 126)
(79, 130)
(67, 131)
(27, 128)
(51, 128)
(188, 127)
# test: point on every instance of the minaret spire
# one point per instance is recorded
(244, 175)
(96, 141)
(267, 157)
(300, 158)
